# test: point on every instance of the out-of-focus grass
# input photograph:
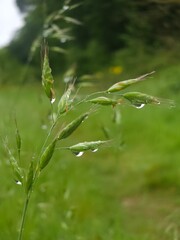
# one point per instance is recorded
(132, 193)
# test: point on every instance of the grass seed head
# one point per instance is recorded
(126, 83)
(17, 171)
(64, 101)
(47, 78)
(71, 127)
(104, 101)
(30, 178)
(18, 139)
(141, 98)
(47, 155)
(84, 146)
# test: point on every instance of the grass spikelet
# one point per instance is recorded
(85, 146)
(71, 127)
(47, 78)
(18, 140)
(47, 155)
(29, 178)
(63, 104)
(104, 101)
(140, 98)
(126, 83)
(17, 171)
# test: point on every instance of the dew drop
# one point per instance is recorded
(85, 119)
(78, 154)
(18, 182)
(53, 100)
(139, 105)
(94, 150)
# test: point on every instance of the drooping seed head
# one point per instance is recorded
(47, 78)
(18, 139)
(17, 171)
(84, 146)
(126, 83)
(104, 101)
(30, 178)
(47, 155)
(71, 127)
(64, 101)
(140, 98)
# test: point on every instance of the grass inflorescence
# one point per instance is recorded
(28, 175)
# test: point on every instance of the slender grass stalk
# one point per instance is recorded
(89, 96)
(52, 116)
(24, 214)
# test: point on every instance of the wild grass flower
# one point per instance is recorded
(139, 99)
(71, 127)
(29, 177)
(47, 155)
(47, 78)
(116, 70)
(126, 83)
(104, 101)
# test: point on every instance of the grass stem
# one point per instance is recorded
(26, 203)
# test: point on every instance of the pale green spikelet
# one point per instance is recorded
(139, 99)
(104, 101)
(30, 178)
(18, 140)
(17, 171)
(47, 78)
(85, 146)
(71, 127)
(126, 83)
(64, 102)
(47, 155)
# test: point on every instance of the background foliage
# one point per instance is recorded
(101, 33)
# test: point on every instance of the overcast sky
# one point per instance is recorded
(10, 21)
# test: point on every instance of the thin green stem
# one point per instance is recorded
(26, 203)
(52, 114)
(49, 133)
(88, 96)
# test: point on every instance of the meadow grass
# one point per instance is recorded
(130, 192)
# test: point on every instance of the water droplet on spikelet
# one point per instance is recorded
(78, 154)
(138, 105)
(18, 182)
(53, 100)
(94, 150)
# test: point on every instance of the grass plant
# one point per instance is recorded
(58, 130)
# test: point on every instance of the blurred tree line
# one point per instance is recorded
(94, 31)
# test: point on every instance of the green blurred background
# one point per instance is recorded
(128, 191)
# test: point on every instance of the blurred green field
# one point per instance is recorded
(129, 191)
